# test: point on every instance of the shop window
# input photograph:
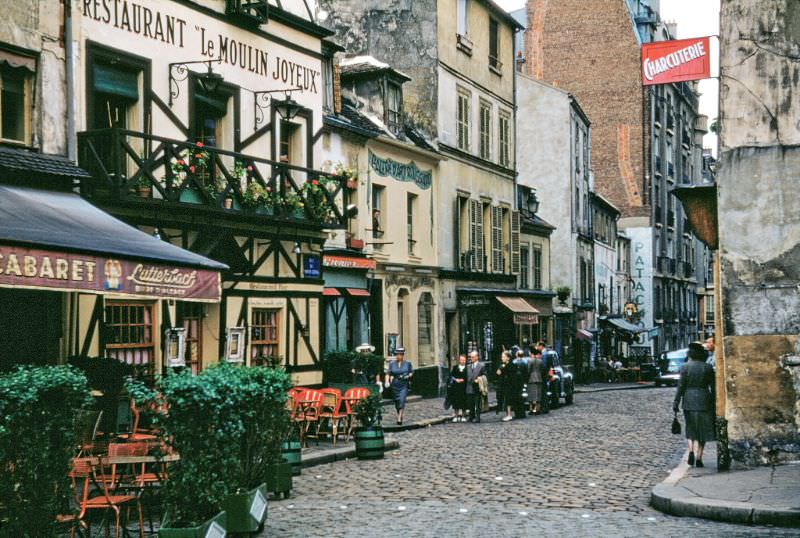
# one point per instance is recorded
(394, 107)
(190, 316)
(130, 334)
(14, 113)
(264, 334)
(425, 328)
(485, 144)
(410, 209)
(463, 123)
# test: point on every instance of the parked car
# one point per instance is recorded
(669, 366)
(562, 383)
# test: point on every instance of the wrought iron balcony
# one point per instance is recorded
(133, 167)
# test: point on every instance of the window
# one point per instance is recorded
(394, 107)
(461, 17)
(476, 235)
(485, 131)
(524, 268)
(264, 333)
(709, 302)
(463, 120)
(411, 201)
(537, 268)
(13, 103)
(494, 44)
(424, 328)
(191, 317)
(286, 143)
(504, 150)
(377, 214)
(130, 334)
(327, 82)
(497, 238)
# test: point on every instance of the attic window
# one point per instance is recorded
(394, 107)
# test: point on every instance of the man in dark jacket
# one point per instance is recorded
(475, 369)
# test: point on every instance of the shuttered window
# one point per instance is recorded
(497, 239)
(515, 248)
(476, 234)
(463, 120)
(504, 149)
(537, 268)
(485, 151)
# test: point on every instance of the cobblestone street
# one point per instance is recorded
(586, 469)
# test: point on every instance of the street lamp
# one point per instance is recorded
(532, 203)
(287, 108)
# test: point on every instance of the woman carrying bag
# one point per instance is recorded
(696, 390)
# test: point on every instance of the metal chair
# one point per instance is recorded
(331, 411)
(351, 398)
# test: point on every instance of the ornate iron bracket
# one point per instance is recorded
(261, 100)
(179, 71)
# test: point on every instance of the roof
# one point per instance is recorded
(30, 162)
(506, 16)
(362, 65)
(605, 202)
(66, 221)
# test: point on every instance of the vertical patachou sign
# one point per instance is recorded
(664, 62)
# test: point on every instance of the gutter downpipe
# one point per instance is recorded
(70, 80)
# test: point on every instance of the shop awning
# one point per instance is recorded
(59, 241)
(583, 334)
(331, 292)
(625, 326)
(524, 313)
(357, 292)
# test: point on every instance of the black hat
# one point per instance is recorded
(697, 352)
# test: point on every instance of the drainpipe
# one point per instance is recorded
(514, 81)
(70, 79)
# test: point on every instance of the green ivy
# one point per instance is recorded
(39, 415)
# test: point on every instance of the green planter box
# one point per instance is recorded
(291, 452)
(279, 479)
(213, 528)
(191, 196)
(369, 443)
(246, 512)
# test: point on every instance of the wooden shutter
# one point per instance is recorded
(457, 227)
(497, 239)
(476, 234)
(514, 243)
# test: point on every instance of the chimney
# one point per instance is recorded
(533, 39)
(337, 87)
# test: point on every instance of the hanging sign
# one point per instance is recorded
(664, 62)
(400, 171)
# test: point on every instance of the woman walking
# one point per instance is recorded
(696, 389)
(400, 373)
(505, 385)
(535, 383)
(458, 389)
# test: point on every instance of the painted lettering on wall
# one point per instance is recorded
(400, 171)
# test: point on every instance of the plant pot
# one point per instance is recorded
(562, 297)
(290, 451)
(246, 512)
(369, 443)
(227, 203)
(144, 192)
(279, 478)
(213, 528)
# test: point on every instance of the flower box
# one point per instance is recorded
(215, 527)
(246, 512)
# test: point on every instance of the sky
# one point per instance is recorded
(695, 18)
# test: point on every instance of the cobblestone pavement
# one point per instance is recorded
(584, 470)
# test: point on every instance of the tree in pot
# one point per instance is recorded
(369, 434)
(203, 426)
(260, 395)
(563, 293)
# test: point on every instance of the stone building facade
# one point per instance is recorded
(759, 230)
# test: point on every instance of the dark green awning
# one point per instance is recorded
(114, 81)
(216, 104)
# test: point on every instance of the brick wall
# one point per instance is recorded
(589, 48)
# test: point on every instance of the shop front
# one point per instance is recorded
(346, 303)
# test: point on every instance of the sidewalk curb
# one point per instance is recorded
(339, 454)
(579, 390)
(670, 498)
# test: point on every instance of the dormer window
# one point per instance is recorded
(394, 107)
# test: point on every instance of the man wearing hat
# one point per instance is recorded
(400, 373)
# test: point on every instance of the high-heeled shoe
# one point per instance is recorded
(690, 461)
(699, 463)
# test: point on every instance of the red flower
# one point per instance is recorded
(249, 168)
(199, 144)
(314, 182)
(180, 162)
(198, 156)
(191, 169)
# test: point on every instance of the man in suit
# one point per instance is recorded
(475, 369)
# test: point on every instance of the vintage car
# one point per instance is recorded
(669, 366)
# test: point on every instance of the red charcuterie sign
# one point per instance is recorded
(664, 62)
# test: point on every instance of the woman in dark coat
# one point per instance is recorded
(458, 389)
(505, 385)
(400, 372)
(535, 383)
(696, 389)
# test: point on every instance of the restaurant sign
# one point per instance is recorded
(400, 171)
(31, 268)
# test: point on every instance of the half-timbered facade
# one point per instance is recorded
(198, 122)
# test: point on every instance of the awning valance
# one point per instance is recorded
(625, 326)
(59, 241)
(524, 313)
(115, 81)
(331, 292)
(357, 292)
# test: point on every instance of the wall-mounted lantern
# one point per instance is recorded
(178, 71)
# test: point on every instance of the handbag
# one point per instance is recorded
(676, 425)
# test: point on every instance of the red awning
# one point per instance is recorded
(331, 292)
(357, 292)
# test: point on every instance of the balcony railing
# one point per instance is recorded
(671, 170)
(129, 166)
(688, 270)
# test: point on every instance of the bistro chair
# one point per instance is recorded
(88, 424)
(137, 433)
(311, 405)
(331, 411)
(85, 474)
(351, 398)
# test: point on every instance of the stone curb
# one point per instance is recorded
(579, 390)
(670, 498)
(338, 454)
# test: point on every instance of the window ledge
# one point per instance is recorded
(464, 44)
(496, 70)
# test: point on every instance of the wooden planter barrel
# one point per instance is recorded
(369, 443)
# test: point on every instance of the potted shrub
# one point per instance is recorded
(369, 434)
(260, 395)
(563, 294)
(38, 438)
(143, 187)
(203, 426)
(349, 174)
